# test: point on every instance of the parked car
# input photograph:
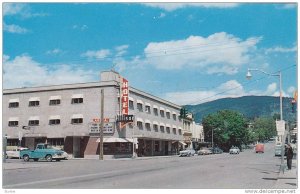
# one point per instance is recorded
(187, 152)
(217, 150)
(234, 150)
(205, 151)
(42, 151)
(14, 152)
(259, 148)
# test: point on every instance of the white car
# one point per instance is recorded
(234, 150)
(187, 152)
(15, 152)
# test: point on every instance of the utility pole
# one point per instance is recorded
(101, 126)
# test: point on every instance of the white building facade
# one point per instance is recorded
(62, 115)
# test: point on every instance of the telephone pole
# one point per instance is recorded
(101, 126)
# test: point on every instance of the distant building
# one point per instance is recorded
(63, 115)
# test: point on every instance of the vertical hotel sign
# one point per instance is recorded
(124, 97)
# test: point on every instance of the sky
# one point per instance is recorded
(187, 53)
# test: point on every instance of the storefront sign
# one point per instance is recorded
(125, 118)
(108, 128)
(124, 96)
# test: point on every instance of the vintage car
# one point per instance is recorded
(205, 151)
(234, 150)
(187, 152)
(42, 151)
(14, 152)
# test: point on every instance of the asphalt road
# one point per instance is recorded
(246, 170)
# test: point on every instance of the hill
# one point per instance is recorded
(249, 106)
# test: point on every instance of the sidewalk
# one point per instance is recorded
(289, 178)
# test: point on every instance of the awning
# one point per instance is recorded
(139, 102)
(114, 140)
(76, 116)
(162, 124)
(130, 98)
(180, 128)
(34, 99)
(168, 125)
(13, 119)
(174, 126)
(155, 123)
(181, 142)
(34, 118)
(139, 120)
(77, 96)
(147, 121)
(14, 100)
(161, 108)
(147, 104)
(167, 110)
(55, 98)
(174, 113)
(54, 117)
(154, 106)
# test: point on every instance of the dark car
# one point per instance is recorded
(217, 150)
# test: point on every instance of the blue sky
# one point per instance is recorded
(185, 53)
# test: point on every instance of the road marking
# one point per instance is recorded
(62, 179)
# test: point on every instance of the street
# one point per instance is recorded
(246, 170)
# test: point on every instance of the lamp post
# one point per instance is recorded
(249, 76)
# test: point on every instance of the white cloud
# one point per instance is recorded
(23, 71)
(14, 29)
(121, 50)
(100, 54)
(291, 90)
(20, 9)
(217, 53)
(279, 49)
(287, 6)
(175, 6)
(80, 27)
(271, 89)
(55, 51)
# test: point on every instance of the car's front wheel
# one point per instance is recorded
(49, 158)
(26, 158)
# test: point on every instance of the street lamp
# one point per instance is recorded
(249, 76)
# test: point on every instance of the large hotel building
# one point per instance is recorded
(64, 115)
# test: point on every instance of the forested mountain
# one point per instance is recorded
(250, 106)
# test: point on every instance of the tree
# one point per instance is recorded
(264, 127)
(229, 128)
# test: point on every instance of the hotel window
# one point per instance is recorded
(168, 129)
(148, 126)
(131, 106)
(155, 127)
(140, 105)
(33, 122)
(155, 110)
(174, 116)
(174, 130)
(34, 101)
(13, 123)
(168, 114)
(13, 103)
(77, 119)
(54, 120)
(54, 100)
(162, 112)
(77, 99)
(140, 125)
(148, 108)
(162, 129)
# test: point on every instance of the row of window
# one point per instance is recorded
(157, 127)
(51, 122)
(52, 102)
(161, 112)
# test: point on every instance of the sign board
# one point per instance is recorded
(125, 118)
(124, 95)
(108, 128)
(280, 127)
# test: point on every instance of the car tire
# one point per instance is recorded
(26, 158)
(49, 158)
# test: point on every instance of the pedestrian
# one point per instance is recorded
(289, 155)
